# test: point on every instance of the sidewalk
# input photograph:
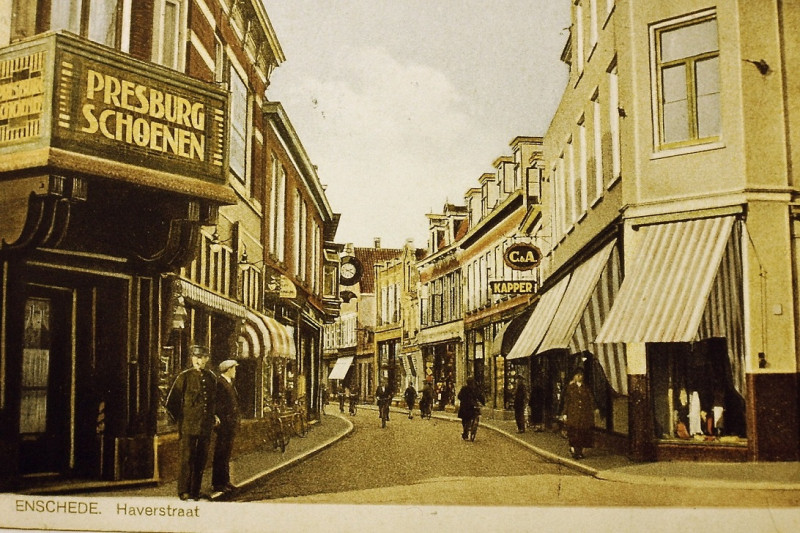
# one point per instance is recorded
(247, 469)
(603, 464)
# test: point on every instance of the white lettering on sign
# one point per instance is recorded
(178, 126)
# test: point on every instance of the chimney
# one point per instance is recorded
(377, 242)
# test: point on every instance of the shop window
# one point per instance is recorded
(686, 70)
(694, 398)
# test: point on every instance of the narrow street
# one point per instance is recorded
(405, 453)
(425, 462)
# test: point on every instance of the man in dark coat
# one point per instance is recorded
(410, 396)
(229, 419)
(191, 403)
(579, 410)
(520, 397)
(470, 399)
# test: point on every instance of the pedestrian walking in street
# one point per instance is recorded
(191, 403)
(353, 400)
(229, 420)
(579, 411)
(537, 403)
(426, 400)
(410, 396)
(520, 402)
(323, 394)
(342, 394)
(470, 399)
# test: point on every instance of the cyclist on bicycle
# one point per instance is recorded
(353, 399)
(470, 399)
(383, 395)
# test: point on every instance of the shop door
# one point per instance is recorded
(47, 382)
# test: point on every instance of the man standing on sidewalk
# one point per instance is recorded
(229, 419)
(191, 403)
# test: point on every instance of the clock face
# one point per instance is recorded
(348, 270)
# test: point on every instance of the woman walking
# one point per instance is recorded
(579, 412)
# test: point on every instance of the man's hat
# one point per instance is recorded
(199, 351)
(226, 365)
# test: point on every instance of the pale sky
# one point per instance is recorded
(403, 104)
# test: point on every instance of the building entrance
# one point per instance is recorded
(47, 384)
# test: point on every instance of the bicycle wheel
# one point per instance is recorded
(473, 428)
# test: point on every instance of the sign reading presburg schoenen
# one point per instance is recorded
(522, 256)
(512, 287)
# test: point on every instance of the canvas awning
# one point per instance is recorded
(341, 367)
(666, 289)
(540, 319)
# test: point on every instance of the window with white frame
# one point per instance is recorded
(297, 240)
(582, 189)
(104, 22)
(572, 183)
(592, 25)
(277, 217)
(685, 61)
(238, 120)
(597, 137)
(578, 38)
(168, 33)
(613, 120)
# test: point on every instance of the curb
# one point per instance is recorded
(221, 496)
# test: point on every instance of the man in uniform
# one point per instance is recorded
(191, 403)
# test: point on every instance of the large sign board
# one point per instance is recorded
(63, 92)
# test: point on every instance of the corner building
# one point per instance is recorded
(673, 270)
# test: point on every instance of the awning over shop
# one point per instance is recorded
(341, 367)
(665, 291)
(576, 298)
(508, 334)
(536, 326)
(268, 336)
(199, 295)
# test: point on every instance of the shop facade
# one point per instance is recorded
(104, 201)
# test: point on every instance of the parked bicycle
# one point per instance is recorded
(278, 435)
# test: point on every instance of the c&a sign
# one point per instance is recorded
(522, 256)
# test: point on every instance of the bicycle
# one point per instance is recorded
(299, 421)
(277, 434)
(384, 410)
(473, 424)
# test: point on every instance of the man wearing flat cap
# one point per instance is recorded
(229, 418)
(191, 403)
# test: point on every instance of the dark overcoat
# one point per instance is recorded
(191, 402)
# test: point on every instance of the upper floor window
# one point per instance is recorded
(686, 70)
(239, 119)
(98, 20)
(168, 33)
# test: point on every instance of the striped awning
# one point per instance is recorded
(611, 356)
(576, 298)
(268, 337)
(341, 367)
(666, 289)
(497, 342)
(539, 321)
(216, 302)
